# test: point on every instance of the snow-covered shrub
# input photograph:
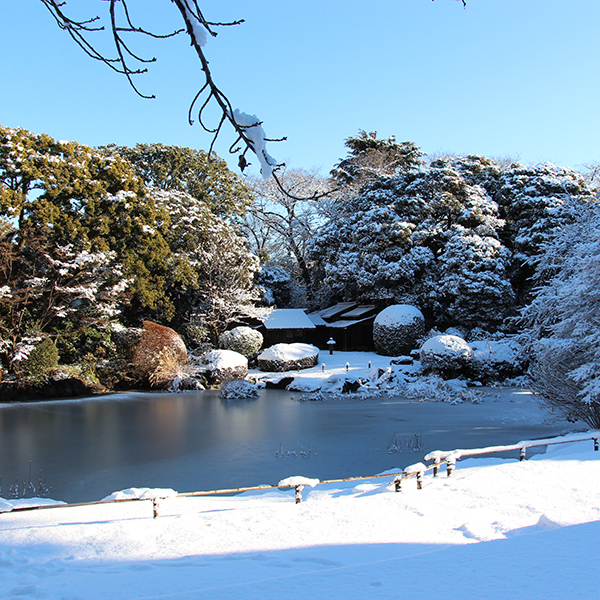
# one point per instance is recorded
(495, 360)
(244, 340)
(288, 357)
(125, 340)
(223, 365)
(397, 328)
(238, 390)
(433, 388)
(446, 354)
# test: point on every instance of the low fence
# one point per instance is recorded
(418, 471)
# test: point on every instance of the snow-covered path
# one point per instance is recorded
(497, 529)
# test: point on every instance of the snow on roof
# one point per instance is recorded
(316, 319)
(337, 309)
(288, 318)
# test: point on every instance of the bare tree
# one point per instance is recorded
(248, 131)
(281, 223)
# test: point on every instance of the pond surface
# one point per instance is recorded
(194, 441)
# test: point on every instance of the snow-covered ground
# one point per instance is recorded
(334, 368)
(495, 530)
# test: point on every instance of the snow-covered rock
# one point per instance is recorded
(225, 364)
(446, 354)
(288, 357)
(397, 328)
(245, 340)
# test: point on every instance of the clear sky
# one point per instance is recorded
(518, 78)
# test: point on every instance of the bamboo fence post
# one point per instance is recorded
(420, 480)
(450, 465)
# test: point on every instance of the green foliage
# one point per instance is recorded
(210, 271)
(205, 178)
(370, 158)
(244, 340)
(42, 359)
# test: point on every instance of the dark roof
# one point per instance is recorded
(316, 319)
(344, 323)
(337, 309)
(359, 311)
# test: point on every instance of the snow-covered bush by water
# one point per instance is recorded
(244, 340)
(238, 390)
(494, 360)
(446, 354)
(397, 328)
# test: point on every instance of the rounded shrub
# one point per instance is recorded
(243, 340)
(446, 354)
(397, 328)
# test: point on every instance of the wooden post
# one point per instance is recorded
(420, 480)
(522, 454)
(450, 464)
(398, 484)
(596, 444)
(155, 506)
(298, 494)
(436, 466)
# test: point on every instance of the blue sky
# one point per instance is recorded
(518, 78)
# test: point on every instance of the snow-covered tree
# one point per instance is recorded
(71, 295)
(534, 201)
(206, 178)
(564, 319)
(210, 270)
(425, 237)
(370, 158)
(91, 198)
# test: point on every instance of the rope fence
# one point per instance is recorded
(418, 471)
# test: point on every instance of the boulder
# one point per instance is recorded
(225, 365)
(446, 354)
(288, 357)
(158, 345)
(397, 328)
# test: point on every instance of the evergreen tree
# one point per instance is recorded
(206, 178)
(370, 158)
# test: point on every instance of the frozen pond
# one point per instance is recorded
(197, 441)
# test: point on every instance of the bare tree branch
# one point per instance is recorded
(248, 129)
